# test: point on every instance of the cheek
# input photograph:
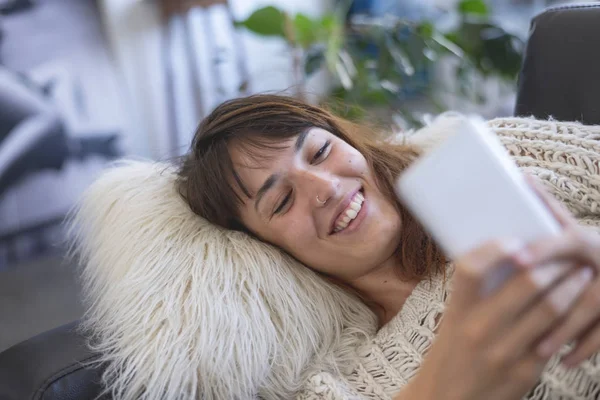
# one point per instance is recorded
(298, 231)
(294, 234)
(356, 163)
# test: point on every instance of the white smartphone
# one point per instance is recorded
(467, 190)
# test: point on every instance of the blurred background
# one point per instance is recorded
(83, 82)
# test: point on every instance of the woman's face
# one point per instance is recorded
(317, 199)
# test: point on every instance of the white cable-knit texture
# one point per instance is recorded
(566, 158)
(180, 309)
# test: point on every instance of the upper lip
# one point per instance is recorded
(342, 207)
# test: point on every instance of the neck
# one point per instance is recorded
(384, 291)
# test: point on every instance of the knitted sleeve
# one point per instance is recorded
(565, 156)
(325, 386)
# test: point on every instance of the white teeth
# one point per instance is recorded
(341, 225)
(355, 206)
(350, 213)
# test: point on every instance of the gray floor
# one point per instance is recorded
(36, 297)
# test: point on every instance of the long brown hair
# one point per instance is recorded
(209, 184)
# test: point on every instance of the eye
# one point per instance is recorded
(320, 153)
(283, 203)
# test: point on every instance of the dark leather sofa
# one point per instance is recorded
(560, 78)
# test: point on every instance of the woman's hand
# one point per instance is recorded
(486, 345)
(495, 347)
(580, 246)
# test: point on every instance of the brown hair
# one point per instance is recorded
(211, 187)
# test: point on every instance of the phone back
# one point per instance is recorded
(467, 190)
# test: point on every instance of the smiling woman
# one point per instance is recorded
(305, 191)
(321, 189)
(310, 183)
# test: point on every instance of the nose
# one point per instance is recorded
(320, 186)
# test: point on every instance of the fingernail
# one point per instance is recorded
(524, 257)
(513, 245)
(546, 348)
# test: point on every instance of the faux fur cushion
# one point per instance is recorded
(181, 309)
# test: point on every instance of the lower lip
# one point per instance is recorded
(355, 223)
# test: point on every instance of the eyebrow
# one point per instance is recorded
(271, 180)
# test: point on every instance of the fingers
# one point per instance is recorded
(587, 345)
(524, 364)
(575, 325)
(472, 269)
(545, 313)
(522, 293)
(579, 247)
(521, 378)
(562, 215)
(575, 245)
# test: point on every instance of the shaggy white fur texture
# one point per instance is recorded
(181, 309)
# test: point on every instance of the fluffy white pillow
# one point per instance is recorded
(181, 309)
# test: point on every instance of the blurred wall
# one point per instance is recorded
(60, 46)
(138, 41)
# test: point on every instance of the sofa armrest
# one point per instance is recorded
(560, 75)
(50, 366)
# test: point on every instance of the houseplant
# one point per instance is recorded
(378, 63)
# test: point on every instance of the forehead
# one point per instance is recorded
(255, 159)
(258, 153)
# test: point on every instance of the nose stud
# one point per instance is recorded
(320, 201)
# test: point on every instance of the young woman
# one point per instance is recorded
(320, 188)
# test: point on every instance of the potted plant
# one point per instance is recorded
(380, 62)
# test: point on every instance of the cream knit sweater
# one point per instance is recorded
(566, 157)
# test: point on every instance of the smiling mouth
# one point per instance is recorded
(349, 214)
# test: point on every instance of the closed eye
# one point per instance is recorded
(319, 154)
(285, 200)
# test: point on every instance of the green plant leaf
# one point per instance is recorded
(376, 97)
(448, 44)
(489, 48)
(266, 21)
(477, 7)
(399, 56)
(328, 21)
(305, 29)
(385, 61)
(315, 57)
(468, 36)
(334, 43)
(344, 75)
(331, 32)
(502, 55)
(425, 29)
